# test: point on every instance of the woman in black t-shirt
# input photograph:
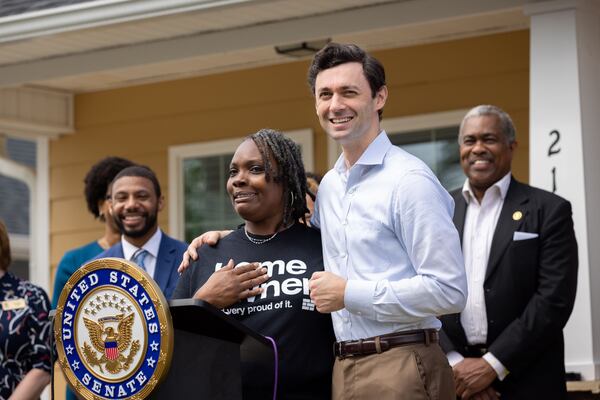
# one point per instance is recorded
(259, 273)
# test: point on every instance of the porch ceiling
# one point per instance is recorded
(225, 35)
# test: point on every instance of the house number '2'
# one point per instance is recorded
(553, 150)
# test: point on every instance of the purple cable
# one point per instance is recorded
(276, 366)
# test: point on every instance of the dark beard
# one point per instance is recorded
(148, 226)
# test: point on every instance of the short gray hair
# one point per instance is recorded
(506, 123)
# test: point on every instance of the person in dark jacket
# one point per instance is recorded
(521, 263)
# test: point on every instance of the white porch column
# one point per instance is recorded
(564, 149)
(39, 253)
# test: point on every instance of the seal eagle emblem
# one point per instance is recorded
(111, 343)
(113, 331)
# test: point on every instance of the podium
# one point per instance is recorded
(211, 351)
(215, 357)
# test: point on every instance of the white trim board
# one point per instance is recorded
(96, 13)
(423, 121)
(34, 112)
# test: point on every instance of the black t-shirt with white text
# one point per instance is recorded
(284, 310)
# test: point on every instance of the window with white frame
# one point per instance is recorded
(198, 199)
(434, 139)
(438, 148)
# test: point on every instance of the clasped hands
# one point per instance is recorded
(473, 378)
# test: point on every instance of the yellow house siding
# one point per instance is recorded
(460, 74)
(141, 122)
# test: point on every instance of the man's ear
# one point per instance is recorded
(109, 207)
(161, 202)
(381, 97)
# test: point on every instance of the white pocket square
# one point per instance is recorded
(524, 235)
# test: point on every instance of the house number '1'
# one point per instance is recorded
(553, 150)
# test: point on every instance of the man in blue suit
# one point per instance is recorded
(135, 203)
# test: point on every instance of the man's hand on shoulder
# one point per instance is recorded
(229, 285)
(191, 254)
(327, 291)
(472, 376)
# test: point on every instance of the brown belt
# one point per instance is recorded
(379, 344)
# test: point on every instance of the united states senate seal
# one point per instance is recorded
(113, 331)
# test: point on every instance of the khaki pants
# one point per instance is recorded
(411, 372)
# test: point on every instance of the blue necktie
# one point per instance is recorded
(139, 256)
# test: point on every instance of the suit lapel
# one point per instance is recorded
(116, 251)
(507, 224)
(164, 260)
(460, 210)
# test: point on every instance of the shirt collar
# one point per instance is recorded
(151, 245)
(373, 155)
(501, 186)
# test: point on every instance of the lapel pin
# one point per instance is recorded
(517, 215)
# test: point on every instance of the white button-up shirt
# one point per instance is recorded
(478, 232)
(386, 226)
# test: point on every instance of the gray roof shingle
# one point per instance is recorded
(16, 7)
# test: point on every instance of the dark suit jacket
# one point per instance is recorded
(529, 292)
(170, 252)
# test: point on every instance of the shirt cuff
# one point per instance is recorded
(358, 298)
(454, 357)
(500, 369)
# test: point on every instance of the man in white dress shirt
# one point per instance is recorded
(392, 255)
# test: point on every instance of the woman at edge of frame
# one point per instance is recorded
(267, 187)
(24, 332)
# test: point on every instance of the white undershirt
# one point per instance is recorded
(480, 223)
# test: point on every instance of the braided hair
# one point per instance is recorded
(289, 171)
